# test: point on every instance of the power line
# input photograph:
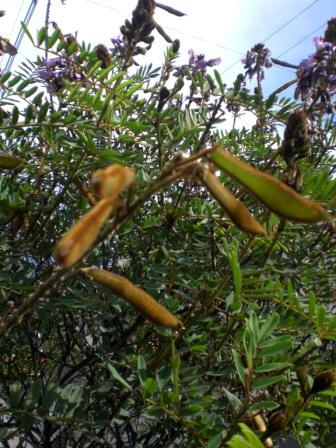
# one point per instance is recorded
(279, 29)
(290, 21)
(224, 47)
(20, 35)
(301, 40)
(16, 19)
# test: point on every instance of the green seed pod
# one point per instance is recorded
(9, 162)
(237, 211)
(277, 196)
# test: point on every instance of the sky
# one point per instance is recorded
(216, 28)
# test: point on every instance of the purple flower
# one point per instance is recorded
(198, 62)
(119, 48)
(316, 76)
(256, 59)
(56, 70)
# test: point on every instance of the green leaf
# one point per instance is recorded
(42, 113)
(14, 81)
(322, 404)
(219, 80)
(53, 38)
(26, 30)
(150, 387)
(23, 85)
(233, 399)
(269, 367)
(41, 35)
(276, 345)
(15, 115)
(239, 366)
(267, 328)
(117, 376)
(250, 436)
(163, 377)
(5, 77)
(14, 395)
(142, 370)
(268, 405)
(264, 382)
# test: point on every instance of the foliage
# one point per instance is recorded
(79, 366)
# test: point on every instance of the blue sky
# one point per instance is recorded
(224, 28)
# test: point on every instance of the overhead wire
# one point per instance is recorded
(280, 29)
(20, 35)
(301, 40)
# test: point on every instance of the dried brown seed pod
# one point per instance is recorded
(148, 39)
(112, 180)
(138, 298)
(103, 55)
(323, 381)
(127, 32)
(296, 143)
(330, 32)
(79, 239)
(176, 46)
(277, 422)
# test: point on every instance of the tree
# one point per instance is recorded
(250, 353)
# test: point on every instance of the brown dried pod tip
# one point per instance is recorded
(79, 239)
(103, 55)
(323, 381)
(296, 143)
(330, 32)
(277, 422)
(138, 298)
(111, 181)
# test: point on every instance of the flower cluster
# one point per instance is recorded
(119, 48)
(255, 60)
(316, 76)
(198, 62)
(56, 71)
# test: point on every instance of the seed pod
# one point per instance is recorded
(9, 162)
(126, 32)
(138, 298)
(277, 422)
(260, 424)
(277, 196)
(236, 210)
(103, 55)
(78, 240)
(112, 180)
(296, 142)
(330, 32)
(176, 46)
(148, 39)
(323, 381)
